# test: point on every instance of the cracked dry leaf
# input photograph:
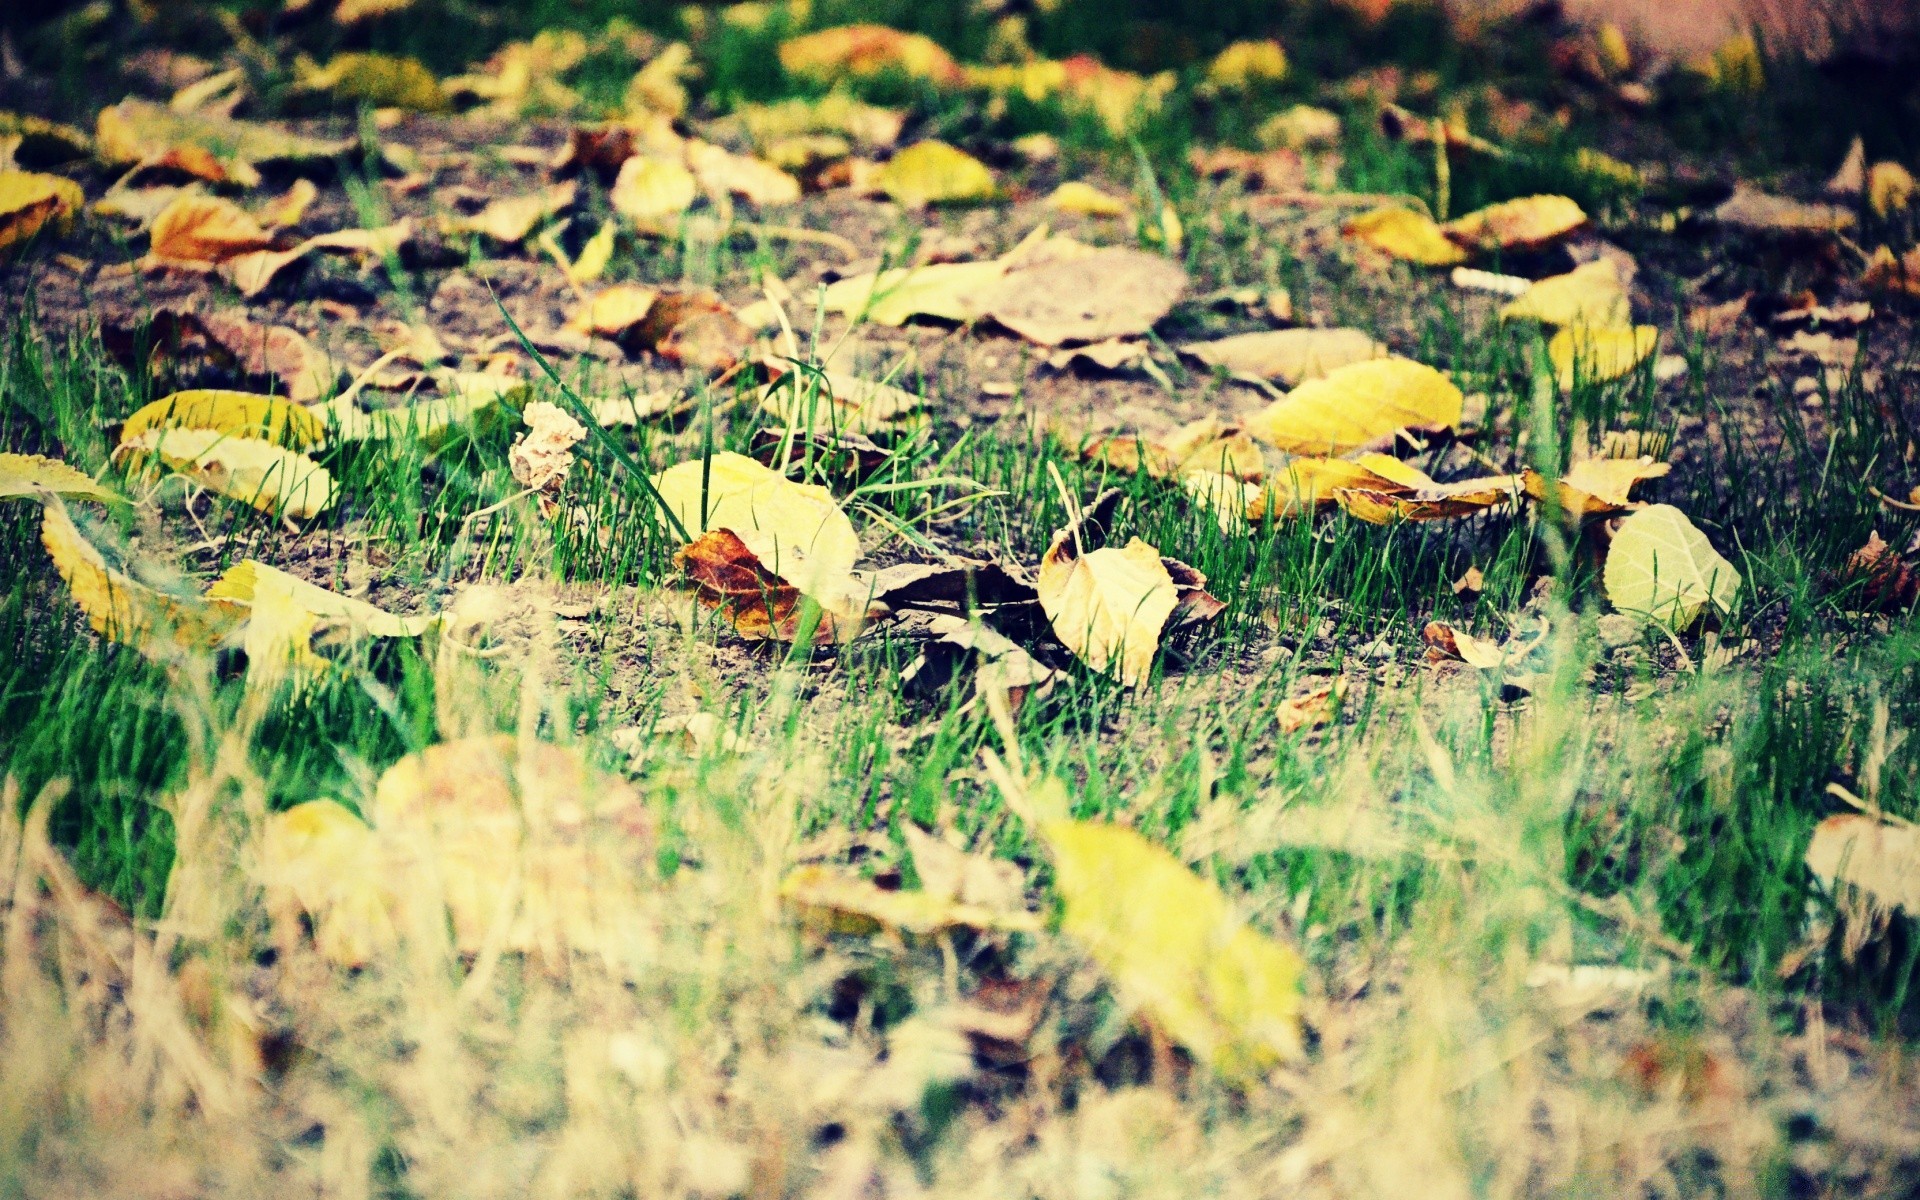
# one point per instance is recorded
(781, 520)
(834, 403)
(541, 457)
(28, 475)
(1291, 356)
(932, 172)
(120, 608)
(1661, 567)
(1176, 951)
(1590, 294)
(835, 900)
(210, 147)
(241, 414)
(1411, 236)
(1359, 405)
(1111, 293)
(652, 192)
(1581, 353)
(30, 202)
(271, 478)
(1109, 606)
(1596, 486)
(1881, 857)
(1527, 223)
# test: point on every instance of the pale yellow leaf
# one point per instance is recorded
(1290, 356)
(1110, 606)
(320, 861)
(652, 192)
(759, 183)
(122, 609)
(271, 478)
(839, 901)
(1581, 353)
(1075, 196)
(838, 403)
(28, 474)
(1660, 566)
(1405, 234)
(1596, 486)
(1527, 223)
(1590, 294)
(797, 530)
(241, 414)
(1877, 856)
(1110, 293)
(30, 202)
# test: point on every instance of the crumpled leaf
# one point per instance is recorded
(797, 530)
(1415, 496)
(31, 475)
(1527, 223)
(1000, 664)
(1446, 641)
(1881, 857)
(861, 51)
(1596, 486)
(30, 202)
(1405, 234)
(217, 149)
(158, 624)
(271, 478)
(1879, 575)
(652, 192)
(264, 353)
(1598, 355)
(839, 901)
(253, 272)
(1660, 566)
(240, 414)
(838, 404)
(1358, 405)
(1175, 950)
(1290, 356)
(932, 172)
(1110, 293)
(1590, 294)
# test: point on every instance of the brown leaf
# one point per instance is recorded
(759, 604)
(1311, 708)
(693, 327)
(1885, 582)
(205, 230)
(1107, 294)
(1290, 356)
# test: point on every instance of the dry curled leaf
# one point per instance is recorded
(238, 414)
(206, 146)
(510, 219)
(795, 530)
(1111, 606)
(652, 192)
(1596, 486)
(1414, 496)
(202, 229)
(541, 457)
(1884, 581)
(1205, 445)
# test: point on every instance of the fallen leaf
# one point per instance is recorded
(121, 609)
(1527, 223)
(1405, 234)
(796, 530)
(269, 353)
(1175, 950)
(834, 113)
(320, 862)
(238, 414)
(1878, 856)
(693, 327)
(1850, 179)
(1107, 294)
(1075, 196)
(835, 403)
(1757, 211)
(614, 312)
(659, 86)
(1886, 273)
(43, 143)
(1358, 405)
(1290, 356)
(253, 272)
(289, 206)
(761, 603)
(1890, 189)
(510, 219)
(378, 80)
(839, 901)
(1660, 566)
(1446, 641)
(1590, 294)
(466, 396)
(1595, 486)
(217, 149)
(1110, 355)
(1000, 665)
(205, 230)
(1581, 353)
(1206, 445)
(29, 475)
(1108, 606)
(1248, 64)
(1312, 708)
(1884, 581)
(542, 456)
(286, 614)
(863, 51)
(1257, 171)
(30, 202)
(932, 172)
(1414, 496)
(759, 183)
(652, 192)
(945, 291)
(271, 478)
(1300, 127)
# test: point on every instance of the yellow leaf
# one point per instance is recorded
(205, 229)
(1662, 567)
(43, 142)
(1590, 294)
(860, 51)
(1878, 856)
(217, 149)
(1076, 197)
(1291, 356)
(377, 80)
(796, 530)
(124, 610)
(838, 403)
(834, 113)
(1358, 405)
(319, 861)
(1583, 354)
(271, 478)
(839, 901)
(1109, 606)
(613, 311)
(1204, 445)
(948, 291)
(27, 474)
(1248, 64)
(466, 395)
(1175, 950)
(1414, 496)
(595, 256)
(657, 87)
(1405, 234)
(651, 192)
(933, 172)
(30, 202)
(1300, 127)
(241, 414)
(286, 613)
(1596, 486)
(1524, 224)
(1890, 188)
(510, 219)
(759, 183)
(292, 204)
